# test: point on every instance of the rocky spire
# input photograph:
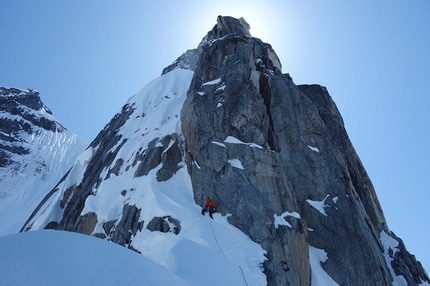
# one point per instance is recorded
(225, 26)
(228, 25)
(296, 163)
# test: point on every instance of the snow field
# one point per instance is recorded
(48, 257)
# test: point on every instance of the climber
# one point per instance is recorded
(210, 206)
(212, 209)
(207, 205)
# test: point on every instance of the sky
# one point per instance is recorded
(86, 58)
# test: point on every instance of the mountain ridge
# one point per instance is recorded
(265, 149)
(35, 152)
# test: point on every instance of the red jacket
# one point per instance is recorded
(208, 202)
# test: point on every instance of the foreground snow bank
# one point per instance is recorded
(196, 263)
(50, 257)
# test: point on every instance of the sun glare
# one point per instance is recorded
(262, 25)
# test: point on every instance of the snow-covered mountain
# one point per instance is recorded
(165, 222)
(295, 205)
(35, 152)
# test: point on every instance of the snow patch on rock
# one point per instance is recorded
(318, 275)
(280, 220)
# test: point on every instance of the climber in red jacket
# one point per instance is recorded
(210, 206)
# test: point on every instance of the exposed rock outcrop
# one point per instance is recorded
(164, 224)
(127, 227)
(291, 152)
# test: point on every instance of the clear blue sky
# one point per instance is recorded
(86, 58)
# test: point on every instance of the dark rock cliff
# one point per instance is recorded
(305, 156)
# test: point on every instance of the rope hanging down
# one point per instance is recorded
(216, 239)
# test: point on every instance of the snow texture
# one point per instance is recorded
(318, 275)
(390, 243)
(212, 82)
(48, 257)
(236, 163)
(234, 140)
(315, 149)
(219, 144)
(318, 205)
(221, 88)
(25, 182)
(280, 220)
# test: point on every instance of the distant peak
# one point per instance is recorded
(5, 91)
(26, 97)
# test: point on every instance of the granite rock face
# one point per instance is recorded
(290, 154)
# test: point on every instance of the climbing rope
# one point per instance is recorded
(217, 242)
(216, 239)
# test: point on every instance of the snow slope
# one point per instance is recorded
(203, 248)
(60, 258)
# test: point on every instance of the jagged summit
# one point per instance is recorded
(224, 121)
(227, 25)
(27, 104)
(28, 97)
